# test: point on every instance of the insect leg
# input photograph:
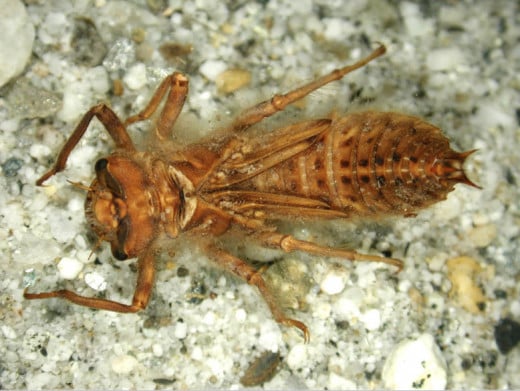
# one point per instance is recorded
(289, 243)
(278, 102)
(254, 277)
(145, 280)
(177, 83)
(111, 122)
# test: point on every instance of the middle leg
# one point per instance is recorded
(254, 277)
(289, 243)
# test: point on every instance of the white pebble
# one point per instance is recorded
(97, 78)
(69, 268)
(240, 315)
(322, 310)
(96, 281)
(211, 69)
(332, 284)
(39, 151)
(481, 236)
(297, 356)
(196, 354)
(157, 350)
(181, 330)
(16, 40)
(415, 364)
(334, 29)
(444, 59)
(123, 364)
(371, 319)
(414, 21)
(209, 318)
(337, 382)
(136, 78)
(345, 308)
(8, 332)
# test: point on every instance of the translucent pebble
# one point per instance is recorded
(95, 281)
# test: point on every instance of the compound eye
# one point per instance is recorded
(119, 254)
(101, 165)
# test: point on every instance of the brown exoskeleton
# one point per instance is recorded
(364, 164)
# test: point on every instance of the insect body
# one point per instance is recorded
(364, 164)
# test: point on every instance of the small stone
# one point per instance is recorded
(136, 78)
(240, 315)
(415, 364)
(39, 151)
(415, 23)
(462, 272)
(28, 101)
(95, 281)
(11, 166)
(88, 46)
(337, 382)
(482, 235)
(120, 55)
(297, 356)
(16, 39)
(173, 51)
(8, 332)
(212, 68)
(232, 79)
(507, 335)
(371, 319)
(157, 350)
(332, 284)
(69, 268)
(444, 59)
(181, 330)
(123, 364)
(262, 369)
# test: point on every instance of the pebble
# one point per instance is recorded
(8, 332)
(136, 78)
(212, 68)
(181, 330)
(371, 319)
(415, 23)
(507, 335)
(232, 79)
(332, 284)
(157, 350)
(482, 235)
(297, 356)
(96, 281)
(465, 291)
(16, 40)
(415, 364)
(337, 382)
(123, 364)
(28, 101)
(444, 59)
(69, 268)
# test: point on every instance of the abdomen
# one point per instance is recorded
(371, 163)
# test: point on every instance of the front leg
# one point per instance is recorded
(253, 277)
(112, 124)
(145, 281)
(177, 83)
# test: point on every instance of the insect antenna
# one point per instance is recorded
(97, 245)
